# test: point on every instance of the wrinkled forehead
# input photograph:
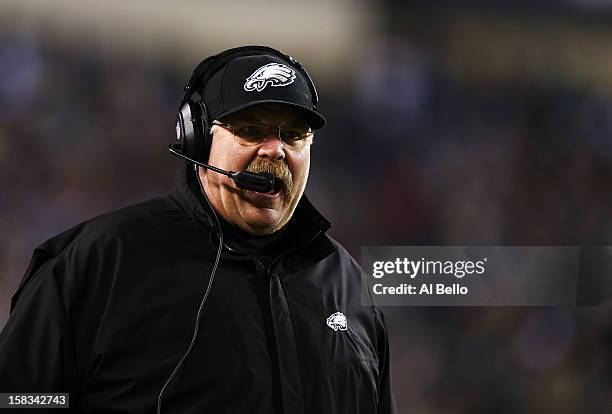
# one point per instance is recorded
(272, 114)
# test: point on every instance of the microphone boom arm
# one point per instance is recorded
(261, 183)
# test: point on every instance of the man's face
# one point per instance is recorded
(253, 212)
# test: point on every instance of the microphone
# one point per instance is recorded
(259, 182)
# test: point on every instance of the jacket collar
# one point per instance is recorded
(307, 222)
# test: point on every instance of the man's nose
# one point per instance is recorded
(272, 147)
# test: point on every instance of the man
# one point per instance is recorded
(225, 297)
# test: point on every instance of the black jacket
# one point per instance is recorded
(107, 308)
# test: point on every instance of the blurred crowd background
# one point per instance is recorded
(449, 122)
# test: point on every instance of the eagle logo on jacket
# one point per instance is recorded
(273, 74)
(337, 321)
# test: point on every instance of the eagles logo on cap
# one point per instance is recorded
(254, 77)
(273, 74)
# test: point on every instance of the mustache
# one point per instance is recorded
(277, 168)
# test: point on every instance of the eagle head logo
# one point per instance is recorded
(337, 321)
(273, 74)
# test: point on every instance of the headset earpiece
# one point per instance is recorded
(193, 131)
(203, 145)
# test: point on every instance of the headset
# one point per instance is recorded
(193, 126)
(193, 121)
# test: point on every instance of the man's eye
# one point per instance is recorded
(251, 132)
(291, 135)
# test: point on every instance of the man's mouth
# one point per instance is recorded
(278, 188)
(279, 185)
(262, 200)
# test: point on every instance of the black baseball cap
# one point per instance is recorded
(258, 77)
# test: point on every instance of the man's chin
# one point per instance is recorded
(261, 220)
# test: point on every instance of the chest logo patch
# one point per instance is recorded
(337, 321)
(273, 74)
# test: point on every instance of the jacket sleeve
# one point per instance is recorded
(36, 344)
(386, 402)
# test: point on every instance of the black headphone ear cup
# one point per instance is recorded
(193, 131)
(187, 129)
(180, 132)
(205, 143)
